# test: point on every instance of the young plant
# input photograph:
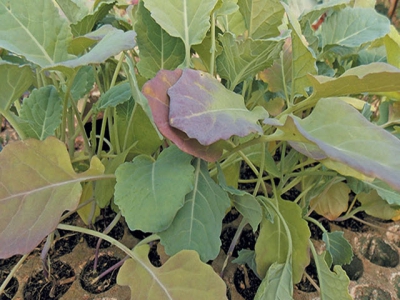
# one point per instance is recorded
(303, 94)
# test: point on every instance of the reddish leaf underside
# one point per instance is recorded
(155, 91)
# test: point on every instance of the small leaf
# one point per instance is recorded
(14, 80)
(149, 193)
(41, 113)
(23, 31)
(247, 257)
(249, 208)
(352, 27)
(182, 277)
(118, 94)
(198, 223)
(334, 285)
(38, 184)
(277, 284)
(205, 110)
(338, 247)
(262, 17)
(158, 50)
(155, 91)
(392, 45)
(333, 201)
(83, 82)
(274, 241)
(375, 206)
(241, 60)
(385, 191)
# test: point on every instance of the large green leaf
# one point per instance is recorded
(187, 20)
(338, 247)
(334, 285)
(272, 243)
(38, 184)
(41, 113)
(23, 31)
(345, 140)
(149, 193)
(158, 50)
(262, 17)
(198, 223)
(14, 80)
(205, 110)
(182, 277)
(277, 284)
(112, 44)
(118, 94)
(373, 78)
(83, 82)
(240, 60)
(352, 27)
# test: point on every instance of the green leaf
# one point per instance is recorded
(112, 44)
(23, 31)
(38, 185)
(375, 205)
(247, 256)
(254, 154)
(392, 45)
(332, 201)
(352, 27)
(313, 12)
(158, 50)
(303, 58)
(338, 247)
(155, 91)
(372, 78)
(198, 223)
(277, 284)
(262, 17)
(74, 10)
(149, 193)
(182, 277)
(187, 20)
(345, 141)
(41, 113)
(118, 94)
(83, 82)
(87, 23)
(334, 285)
(14, 80)
(274, 241)
(241, 60)
(249, 208)
(205, 110)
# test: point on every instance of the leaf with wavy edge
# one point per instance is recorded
(182, 277)
(37, 185)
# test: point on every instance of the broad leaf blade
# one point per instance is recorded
(273, 239)
(205, 110)
(182, 277)
(240, 60)
(352, 27)
(198, 223)
(41, 113)
(23, 31)
(377, 203)
(277, 284)
(249, 208)
(158, 50)
(337, 131)
(262, 17)
(338, 247)
(118, 94)
(74, 10)
(149, 193)
(37, 185)
(155, 91)
(14, 80)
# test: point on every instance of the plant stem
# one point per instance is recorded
(13, 271)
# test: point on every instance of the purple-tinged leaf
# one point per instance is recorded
(208, 112)
(155, 91)
(37, 185)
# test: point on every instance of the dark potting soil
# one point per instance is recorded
(105, 283)
(60, 280)
(6, 266)
(305, 285)
(65, 243)
(117, 232)
(247, 240)
(246, 282)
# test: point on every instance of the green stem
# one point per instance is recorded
(213, 47)
(13, 271)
